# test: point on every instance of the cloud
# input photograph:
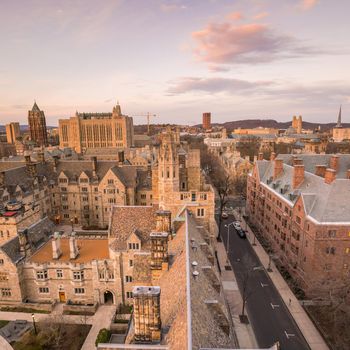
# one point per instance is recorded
(235, 16)
(216, 68)
(214, 85)
(308, 4)
(260, 15)
(227, 43)
(172, 7)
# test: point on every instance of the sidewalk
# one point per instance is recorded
(311, 334)
(244, 332)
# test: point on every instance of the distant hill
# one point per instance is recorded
(23, 128)
(271, 123)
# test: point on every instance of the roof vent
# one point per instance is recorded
(195, 274)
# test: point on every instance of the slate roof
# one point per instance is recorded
(323, 202)
(38, 234)
(125, 220)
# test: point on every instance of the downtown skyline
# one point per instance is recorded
(177, 59)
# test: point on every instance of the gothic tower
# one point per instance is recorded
(37, 126)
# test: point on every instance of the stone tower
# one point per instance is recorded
(37, 126)
(297, 124)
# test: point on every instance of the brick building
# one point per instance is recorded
(300, 204)
(206, 122)
(37, 126)
(12, 132)
(96, 130)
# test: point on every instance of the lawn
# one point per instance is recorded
(23, 309)
(54, 337)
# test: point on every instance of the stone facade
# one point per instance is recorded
(37, 126)
(12, 132)
(96, 130)
(300, 207)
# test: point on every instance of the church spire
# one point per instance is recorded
(339, 119)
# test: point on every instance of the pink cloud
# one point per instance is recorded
(308, 4)
(235, 16)
(261, 15)
(227, 43)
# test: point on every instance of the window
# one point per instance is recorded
(64, 189)
(66, 216)
(133, 246)
(44, 290)
(110, 181)
(200, 212)
(84, 189)
(6, 292)
(193, 197)
(78, 275)
(128, 278)
(332, 233)
(84, 180)
(129, 295)
(143, 196)
(330, 250)
(96, 189)
(64, 207)
(3, 276)
(347, 250)
(41, 275)
(79, 290)
(131, 263)
(298, 220)
(62, 181)
(59, 273)
(85, 198)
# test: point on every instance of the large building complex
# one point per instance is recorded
(300, 204)
(96, 130)
(37, 126)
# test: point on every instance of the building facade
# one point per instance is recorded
(300, 206)
(96, 130)
(206, 122)
(12, 132)
(37, 126)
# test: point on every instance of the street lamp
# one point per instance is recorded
(34, 325)
(228, 241)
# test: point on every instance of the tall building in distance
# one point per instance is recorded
(297, 124)
(37, 126)
(12, 132)
(206, 122)
(97, 130)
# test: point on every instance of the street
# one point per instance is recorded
(267, 313)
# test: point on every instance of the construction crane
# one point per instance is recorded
(148, 115)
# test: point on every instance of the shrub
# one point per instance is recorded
(103, 336)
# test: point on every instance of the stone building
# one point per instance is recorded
(97, 130)
(206, 121)
(300, 204)
(177, 180)
(340, 133)
(297, 124)
(37, 126)
(12, 132)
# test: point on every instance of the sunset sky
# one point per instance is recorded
(237, 59)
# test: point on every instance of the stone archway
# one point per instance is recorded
(108, 297)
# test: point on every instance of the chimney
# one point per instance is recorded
(121, 158)
(273, 156)
(2, 179)
(320, 170)
(73, 248)
(163, 221)
(94, 166)
(27, 159)
(278, 168)
(297, 161)
(24, 246)
(41, 157)
(56, 246)
(329, 176)
(260, 156)
(334, 162)
(348, 174)
(159, 253)
(55, 163)
(147, 321)
(298, 175)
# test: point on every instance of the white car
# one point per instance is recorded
(237, 225)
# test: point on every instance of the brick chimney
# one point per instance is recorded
(163, 221)
(260, 156)
(159, 253)
(2, 178)
(298, 175)
(147, 321)
(121, 157)
(334, 162)
(94, 166)
(273, 156)
(320, 170)
(297, 161)
(31, 167)
(329, 176)
(24, 245)
(278, 168)
(73, 248)
(56, 246)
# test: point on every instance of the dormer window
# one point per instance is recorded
(134, 246)
(83, 180)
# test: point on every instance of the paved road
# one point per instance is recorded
(270, 318)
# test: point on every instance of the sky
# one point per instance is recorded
(238, 59)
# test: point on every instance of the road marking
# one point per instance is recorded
(274, 306)
(264, 284)
(288, 335)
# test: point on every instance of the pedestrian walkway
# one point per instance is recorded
(310, 333)
(244, 332)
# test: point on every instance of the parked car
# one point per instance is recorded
(224, 215)
(241, 233)
(237, 225)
